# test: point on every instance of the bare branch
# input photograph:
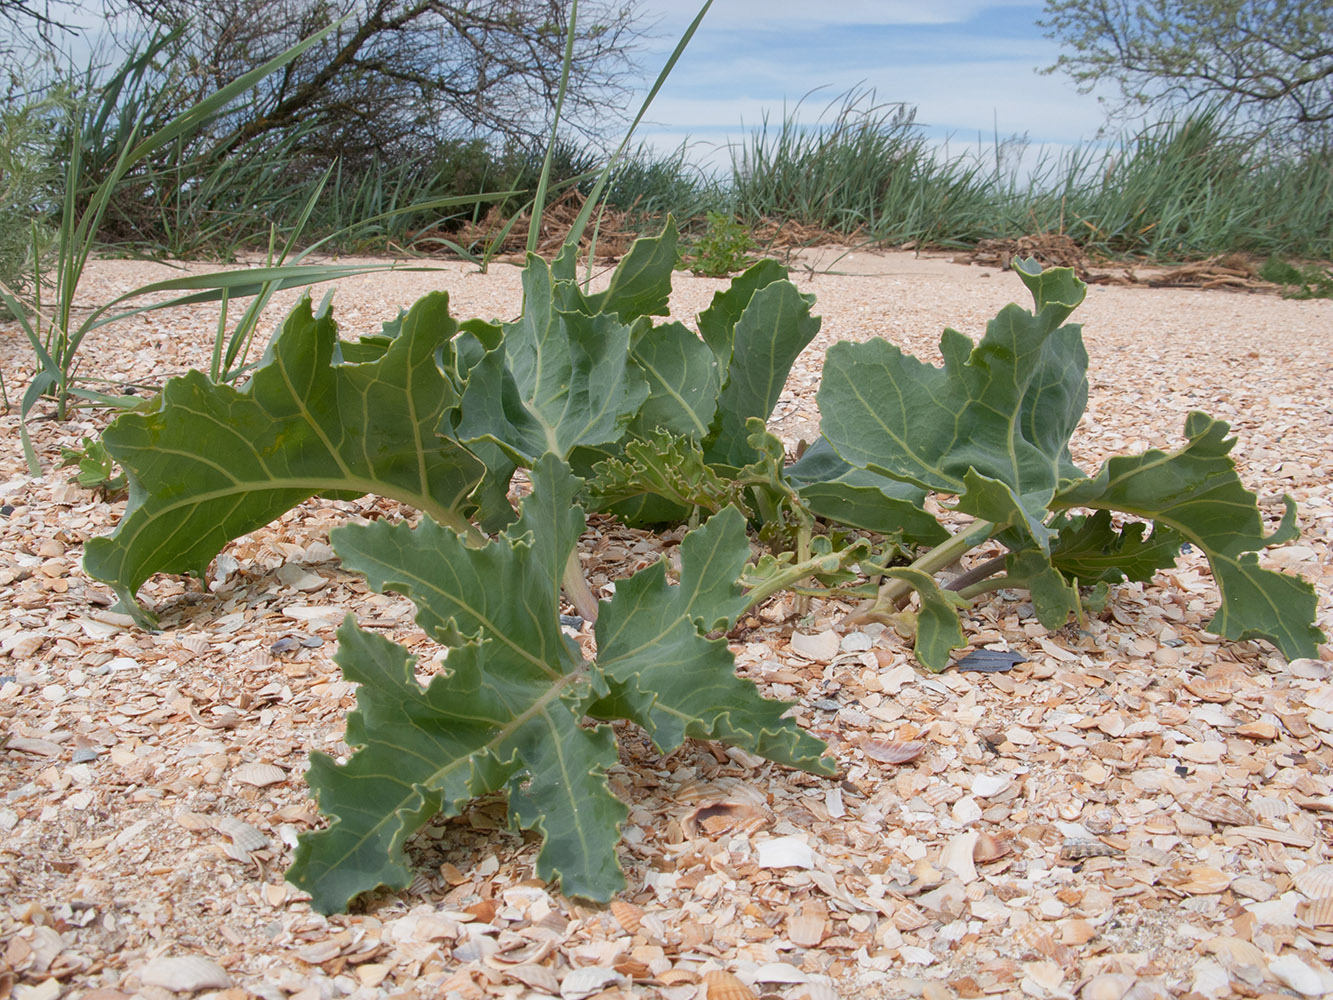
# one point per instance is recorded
(1270, 62)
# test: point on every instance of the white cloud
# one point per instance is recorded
(779, 14)
(968, 66)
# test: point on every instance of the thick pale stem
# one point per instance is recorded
(975, 590)
(793, 574)
(577, 590)
(897, 592)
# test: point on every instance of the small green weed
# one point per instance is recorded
(723, 250)
(97, 469)
(1313, 281)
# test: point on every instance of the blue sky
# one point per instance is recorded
(966, 65)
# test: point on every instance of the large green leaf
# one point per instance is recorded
(683, 382)
(666, 676)
(559, 379)
(1196, 492)
(639, 286)
(844, 494)
(507, 711)
(772, 330)
(992, 426)
(505, 714)
(211, 463)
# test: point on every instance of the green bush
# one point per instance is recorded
(27, 176)
(722, 250)
(1309, 282)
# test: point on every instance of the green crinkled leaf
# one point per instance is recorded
(937, 629)
(505, 714)
(556, 381)
(1090, 549)
(1196, 492)
(844, 494)
(211, 463)
(666, 676)
(663, 466)
(766, 339)
(991, 426)
(1088, 552)
(661, 477)
(507, 711)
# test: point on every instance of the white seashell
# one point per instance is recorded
(1235, 952)
(1108, 986)
(1253, 888)
(196, 644)
(1210, 979)
(1047, 975)
(1320, 912)
(785, 852)
(1204, 881)
(806, 929)
(242, 834)
(259, 775)
(186, 974)
(475, 948)
(986, 785)
(584, 982)
(536, 977)
(1315, 883)
(965, 811)
(821, 647)
(780, 972)
(1269, 809)
(957, 856)
(894, 752)
(1149, 855)
(1216, 808)
(1320, 697)
(1294, 973)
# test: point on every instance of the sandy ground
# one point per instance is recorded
(1138, 810)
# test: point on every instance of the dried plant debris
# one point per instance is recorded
(152, 783)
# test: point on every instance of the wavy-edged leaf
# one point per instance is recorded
(211, 463)
(666, 676)
(505, 714)
(639, 286)
(717, 323)
(937, 629)
(557, 380)
(859, 498)
(774, 328)
(991, 426)
(507, 711)
(1196, 492)
(1090, 549)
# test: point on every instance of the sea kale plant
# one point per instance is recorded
(607, 409)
